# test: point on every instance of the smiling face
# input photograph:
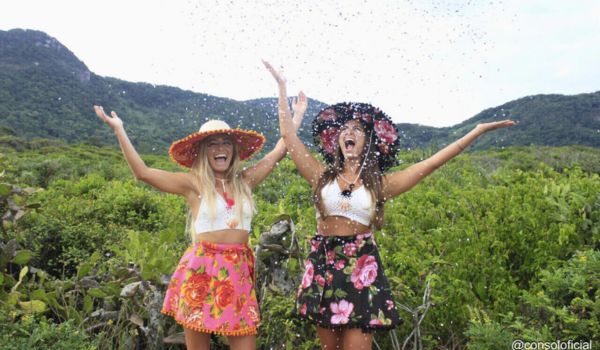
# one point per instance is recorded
(352, 139)
(219, 150)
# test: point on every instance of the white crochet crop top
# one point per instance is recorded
(358, 207)
(225, 218)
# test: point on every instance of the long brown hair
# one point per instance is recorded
(371, 176)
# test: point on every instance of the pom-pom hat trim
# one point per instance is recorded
(185, 151)
(326, 127)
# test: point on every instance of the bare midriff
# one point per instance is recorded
(340, 226)
(224, 236)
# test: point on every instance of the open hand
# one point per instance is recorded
(278, 75)
(113, 121)
(299, 105)
(485, 127)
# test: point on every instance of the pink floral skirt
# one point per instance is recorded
(212, 290)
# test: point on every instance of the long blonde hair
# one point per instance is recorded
(204, 180)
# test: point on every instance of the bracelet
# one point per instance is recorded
(459, 146)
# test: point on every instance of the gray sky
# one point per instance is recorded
(428, 62)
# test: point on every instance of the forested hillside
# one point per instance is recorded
(47, 92)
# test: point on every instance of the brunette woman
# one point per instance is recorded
(344, 290)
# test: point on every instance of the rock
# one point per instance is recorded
(178, 338)
(130, 290)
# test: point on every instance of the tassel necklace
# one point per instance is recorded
(346, 194)
(232, 221)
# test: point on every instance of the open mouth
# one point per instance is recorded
(221, 159)
(349, 145)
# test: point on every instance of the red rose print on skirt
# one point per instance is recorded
(365, 272)
(195, 289)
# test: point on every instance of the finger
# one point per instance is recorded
(302, 96)
(504, 123)
(275, 74)
(97, 111)
(100, 112)
(269, 67)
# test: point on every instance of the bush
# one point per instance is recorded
(508, 242)
(28, 332)
(91, 214)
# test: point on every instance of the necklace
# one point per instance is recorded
(232, 221)
(230, 202)
(345, 195)
(348, 192)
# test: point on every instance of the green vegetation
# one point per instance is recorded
(31, 332)
(508, 240)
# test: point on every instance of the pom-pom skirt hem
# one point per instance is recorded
(344, 286)
(213, 290)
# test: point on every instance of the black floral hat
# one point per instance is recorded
(326, 127)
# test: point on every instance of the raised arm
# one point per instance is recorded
(403, 180)
(176, 183)
(308, 166)
(255, 174)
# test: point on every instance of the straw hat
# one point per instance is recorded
(185, 151)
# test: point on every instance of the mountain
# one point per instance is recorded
(549, 120)
(47, 92)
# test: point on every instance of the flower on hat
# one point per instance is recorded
(329, 139)
(386, 131)
(328, 114)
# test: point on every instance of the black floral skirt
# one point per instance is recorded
(343, 285)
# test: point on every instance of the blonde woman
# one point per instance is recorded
(212, 290)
